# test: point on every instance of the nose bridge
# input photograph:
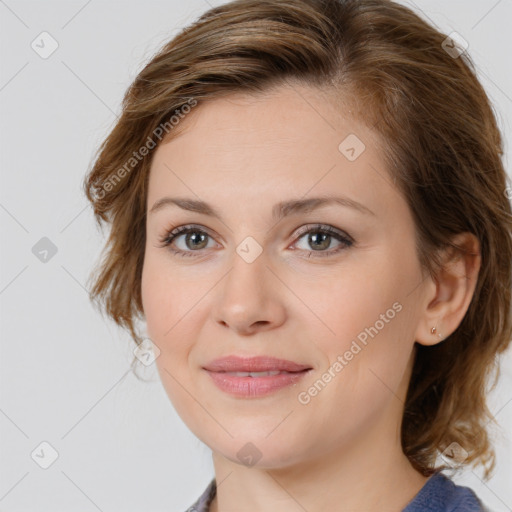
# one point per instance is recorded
(248, 299)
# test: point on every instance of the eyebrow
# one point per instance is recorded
(279, 211)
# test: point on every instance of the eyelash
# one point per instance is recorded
(346, 241)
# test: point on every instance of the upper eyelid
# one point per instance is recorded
(322, 227)
(182, 230)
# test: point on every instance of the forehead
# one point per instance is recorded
(286, 141)
(278, 117)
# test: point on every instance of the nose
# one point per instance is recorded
(249, 298)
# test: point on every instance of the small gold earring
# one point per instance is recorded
(433, 331)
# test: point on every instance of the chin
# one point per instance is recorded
(259, 452)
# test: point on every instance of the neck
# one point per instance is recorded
(372, 474)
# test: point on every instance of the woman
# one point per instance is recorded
(308, 210)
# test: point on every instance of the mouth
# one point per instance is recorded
(256, 376)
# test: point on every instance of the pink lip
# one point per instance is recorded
(254, 364)
(254, 386)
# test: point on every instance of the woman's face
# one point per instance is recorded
(259, 280)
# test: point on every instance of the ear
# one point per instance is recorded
(450, 291)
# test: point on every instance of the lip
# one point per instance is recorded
(254, 364)
(220, 371)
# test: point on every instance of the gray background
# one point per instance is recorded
(64, 370)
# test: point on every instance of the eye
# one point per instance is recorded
(320, 237)
(188, 239)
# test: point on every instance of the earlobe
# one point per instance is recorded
(454, 286)
(438, 334)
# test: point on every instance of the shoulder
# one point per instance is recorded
(203, 502)
(440, 494)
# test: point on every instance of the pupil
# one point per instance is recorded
(194, 237)
(322, 244)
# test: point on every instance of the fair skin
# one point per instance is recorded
(243, 154)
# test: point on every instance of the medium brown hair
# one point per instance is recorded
(442, 148)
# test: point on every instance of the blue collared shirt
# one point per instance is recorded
(439, 494)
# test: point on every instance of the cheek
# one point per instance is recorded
(172, 308)
(154, 302)
(364, 370)
(339, 305)
(165, 298)
(164, 304)
(367, 325)
(163, 307)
